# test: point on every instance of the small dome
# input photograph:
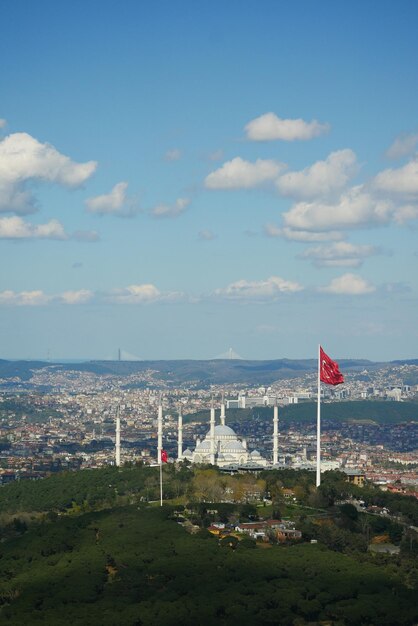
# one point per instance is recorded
(255, 453)
(232, 446)
(203, 446)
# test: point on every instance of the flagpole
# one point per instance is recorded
(161, 483)
(318, 423)
(160, 445)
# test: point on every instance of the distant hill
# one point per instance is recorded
(20, 369)
(216, 371)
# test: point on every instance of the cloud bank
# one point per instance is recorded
(268, 289)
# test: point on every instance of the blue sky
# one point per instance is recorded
(178, 178)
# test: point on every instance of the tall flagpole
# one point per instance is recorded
(161, 484)
(160, 445)
(180, 436)
(318, 423)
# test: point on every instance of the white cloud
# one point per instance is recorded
(216, 155)
(339, 254)
(271, 230)
(23, 159)
(403, 180)
(269, 126)
(173, 155)
(320, 179)
(2, 122)
(114, 203)
(241, 174)
(171, 210)
(76, 297)
(134, 294)
(405, 213)
(24, 298)
(404, 145)
(15, 227)
(356, 207)
(206, 235)
(349, 285)
(141, 294)
(268, 289)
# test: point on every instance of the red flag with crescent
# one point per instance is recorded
(329, 371)
(164, 456)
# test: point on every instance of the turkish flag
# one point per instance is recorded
(329, 372)
(164, 456)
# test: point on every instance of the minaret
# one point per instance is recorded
(180, 437)
(275, 434)
(117, 439)
(212, 435)
(160, 431)
(223, 410)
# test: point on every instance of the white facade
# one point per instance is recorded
(228, 449)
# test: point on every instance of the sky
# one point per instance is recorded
(179, 178)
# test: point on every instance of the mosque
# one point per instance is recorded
(222, 447)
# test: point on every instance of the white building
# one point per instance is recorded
(228, 450)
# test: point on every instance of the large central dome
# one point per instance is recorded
(222, 433)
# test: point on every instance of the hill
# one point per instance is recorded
(137, 567)
(71, 552)
(204, 372)
(376, 411)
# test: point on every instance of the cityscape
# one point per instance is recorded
(208, 313)
(72, 426)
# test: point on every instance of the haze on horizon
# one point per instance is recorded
(179, 178)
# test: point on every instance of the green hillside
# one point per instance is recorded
(130, 566)
(90, 488)
(87, 548)
(380, 412)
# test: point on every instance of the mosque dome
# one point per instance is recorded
(222, 432)
(228, 449)
(233, 446)
(203, 446)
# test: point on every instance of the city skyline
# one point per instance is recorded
(178, 179)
